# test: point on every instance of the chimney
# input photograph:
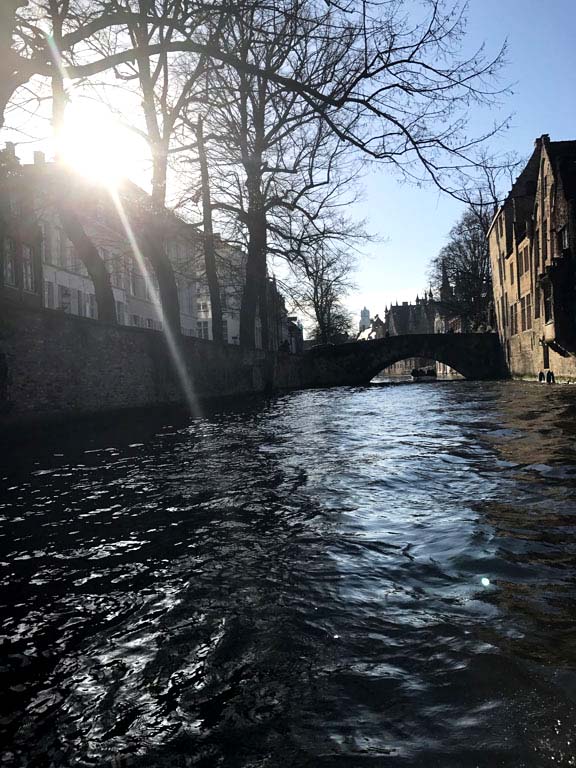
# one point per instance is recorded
(542, 140)
(39, 158)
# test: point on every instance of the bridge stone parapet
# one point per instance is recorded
(475, 355)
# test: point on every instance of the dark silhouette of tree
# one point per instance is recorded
(464, 263)
(320, 278)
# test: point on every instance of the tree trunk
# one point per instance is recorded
(88, 253)
(209, 250)
(264, 317)
(159, 173)
(152, 246)
(255, 266)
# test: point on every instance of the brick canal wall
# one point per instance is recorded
(526, 358)
(53, 365)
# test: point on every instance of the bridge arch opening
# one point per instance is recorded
(417, 369)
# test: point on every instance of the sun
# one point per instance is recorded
(96, 144)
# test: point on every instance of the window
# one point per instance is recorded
(547, 293)
(120, 312)
(186, 297)
(523, 313)
(136, 321)
(28, 281)
(9, 261)
(73, 260)
(537, 251)
(63, 250)
(91, 306)
(202, 327)
(81, 304)
(45, 242)
(537, 303)
(528, 311)
(117, 278)
(501, 225)
(563, 241)
(56, 248)
(149, 322)
(512, 272)
(49, 295)
(544, 241)
(225, 331)
(223, 300)
(524, 261)
(513, 320)
(64, 298)
(137, 285)
(203, 306)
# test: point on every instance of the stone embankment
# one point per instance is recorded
(54, 365)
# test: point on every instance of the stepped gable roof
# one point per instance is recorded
(410, 318)
(563, 156)
(401, 318)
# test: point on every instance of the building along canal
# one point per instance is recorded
(362, 576)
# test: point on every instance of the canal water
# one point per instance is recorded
(379, 576)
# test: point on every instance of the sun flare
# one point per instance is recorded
(97, 145)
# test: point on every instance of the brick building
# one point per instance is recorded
(532, 243)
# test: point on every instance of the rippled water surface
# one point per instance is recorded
(378, 576)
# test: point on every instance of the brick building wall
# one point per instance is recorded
(532, 250)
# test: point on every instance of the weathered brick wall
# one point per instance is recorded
(53, 364)
(526, 359)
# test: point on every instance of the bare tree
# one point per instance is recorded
(321, 283)
(460, 273)
(275, 160)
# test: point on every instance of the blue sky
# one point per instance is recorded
(412, 223)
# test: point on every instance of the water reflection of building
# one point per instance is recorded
(39, 266)
(532, 244)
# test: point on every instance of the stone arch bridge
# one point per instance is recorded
(474, 355)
